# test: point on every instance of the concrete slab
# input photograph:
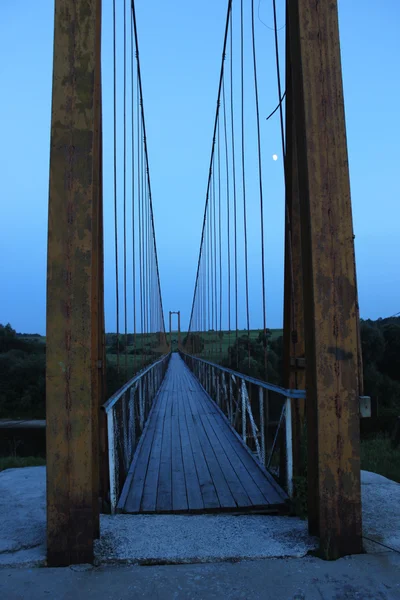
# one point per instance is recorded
(23, 516)
(365, 577)
(381, 512)
(147, 539)
(200, 538)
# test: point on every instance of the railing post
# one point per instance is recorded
(132, 418)
(289, 447)
(262, 423)
(112, 461)
(244, 422)
(141, 407)
(125, 432)
(231, 400)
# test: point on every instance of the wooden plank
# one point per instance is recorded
(221, 449)
(164, 489)
(249, 469)
(179, 495)
(187, 469)
(208, 491)
(138, 471)
(330, 293)
(149, 497)
(225, 496)
(270, 490)
(253, 491)
(132, 468)
(70, 343)
(193, 491)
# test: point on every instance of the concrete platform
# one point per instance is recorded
(149, 539)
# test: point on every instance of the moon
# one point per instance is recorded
(274, 157)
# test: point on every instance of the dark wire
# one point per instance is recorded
(115, 180)
(246, 266)
(144, 241)
(227, 209)
(275, 109)
(234, 200)
(265, 25)
(147, 162)
(133, 198)
(139, 197)
(210, 275)
(125, 169)
(278, 73)
(141, 246)
(380, 543)
(212, 149)
(213, 261)
(219, 240)
(215, 325)
(261, 193)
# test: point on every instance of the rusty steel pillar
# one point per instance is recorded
(293, 317)
(330, 307)
(75, 312)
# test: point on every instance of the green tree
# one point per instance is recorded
(194, 343)
(372, 342)
(390, 365)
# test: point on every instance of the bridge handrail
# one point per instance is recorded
(250, 417)
(294, 394)
(127, 412)
(107, 406)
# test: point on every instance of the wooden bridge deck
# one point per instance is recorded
(189, 458)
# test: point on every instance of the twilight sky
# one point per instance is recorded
(180, 47)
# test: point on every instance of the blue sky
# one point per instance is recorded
(180, 45)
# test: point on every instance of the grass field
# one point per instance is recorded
(379, 456)
(15, 462)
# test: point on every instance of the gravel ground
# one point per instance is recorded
(204, 538)
(181, 539)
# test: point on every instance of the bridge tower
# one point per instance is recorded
(172, 312)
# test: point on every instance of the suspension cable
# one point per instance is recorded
(115, 177)
(261, 194)
(212, 151)
(244, 176)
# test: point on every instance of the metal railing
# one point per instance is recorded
(127, 412)
(257, 410)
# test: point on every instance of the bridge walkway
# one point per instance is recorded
(189, 458)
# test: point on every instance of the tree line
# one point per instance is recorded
(23, 358)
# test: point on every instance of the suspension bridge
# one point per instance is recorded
(206, 428)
